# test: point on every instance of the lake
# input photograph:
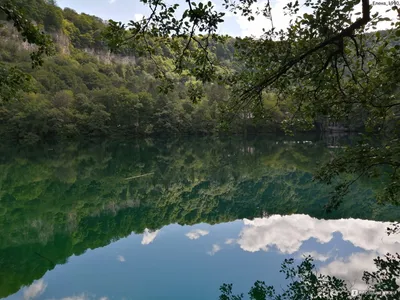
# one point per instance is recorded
(175, 219)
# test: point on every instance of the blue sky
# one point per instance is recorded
(125, 10)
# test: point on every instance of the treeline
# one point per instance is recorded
(85, 91)
(61, 200)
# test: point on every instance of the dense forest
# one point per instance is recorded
(84, 90)
(63, 200)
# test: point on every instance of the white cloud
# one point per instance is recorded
(215, 249)
(111, 1)
(316, 256)
(288, 233)
(149, 236)
(196, 234)
(103, 298)
(230, 241)
(121, 258)
(35, 289)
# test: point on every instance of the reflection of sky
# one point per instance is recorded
(181, 262)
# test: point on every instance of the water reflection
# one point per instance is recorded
(83, 222)
(204, 256)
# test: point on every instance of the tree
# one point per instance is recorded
(325, 65)
(12, 81)
(29, 32)
(307, 284)
(11, 78)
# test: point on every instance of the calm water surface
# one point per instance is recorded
(162, 219)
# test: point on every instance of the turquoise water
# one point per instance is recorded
(163, 219)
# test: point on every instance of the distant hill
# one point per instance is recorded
(84, 90)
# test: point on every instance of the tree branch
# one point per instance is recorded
(347, 32)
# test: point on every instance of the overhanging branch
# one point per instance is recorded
(338, 38)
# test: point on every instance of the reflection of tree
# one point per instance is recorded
(394, 228)
(306, 283)
(62, 201)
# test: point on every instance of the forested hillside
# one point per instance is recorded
(83, 90)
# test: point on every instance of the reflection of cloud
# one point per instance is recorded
(352, 268)
(195, 234)
(35, 289)
(316, 256)
(149, 236)
(121, 258)
(215, 249)
(230, 241)
(288, 233)
(79, 297)
(83, 296)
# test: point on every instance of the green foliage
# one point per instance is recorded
(102, 95)
(12, 81)
(369, 159)
(89, 92)
(29, 32)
